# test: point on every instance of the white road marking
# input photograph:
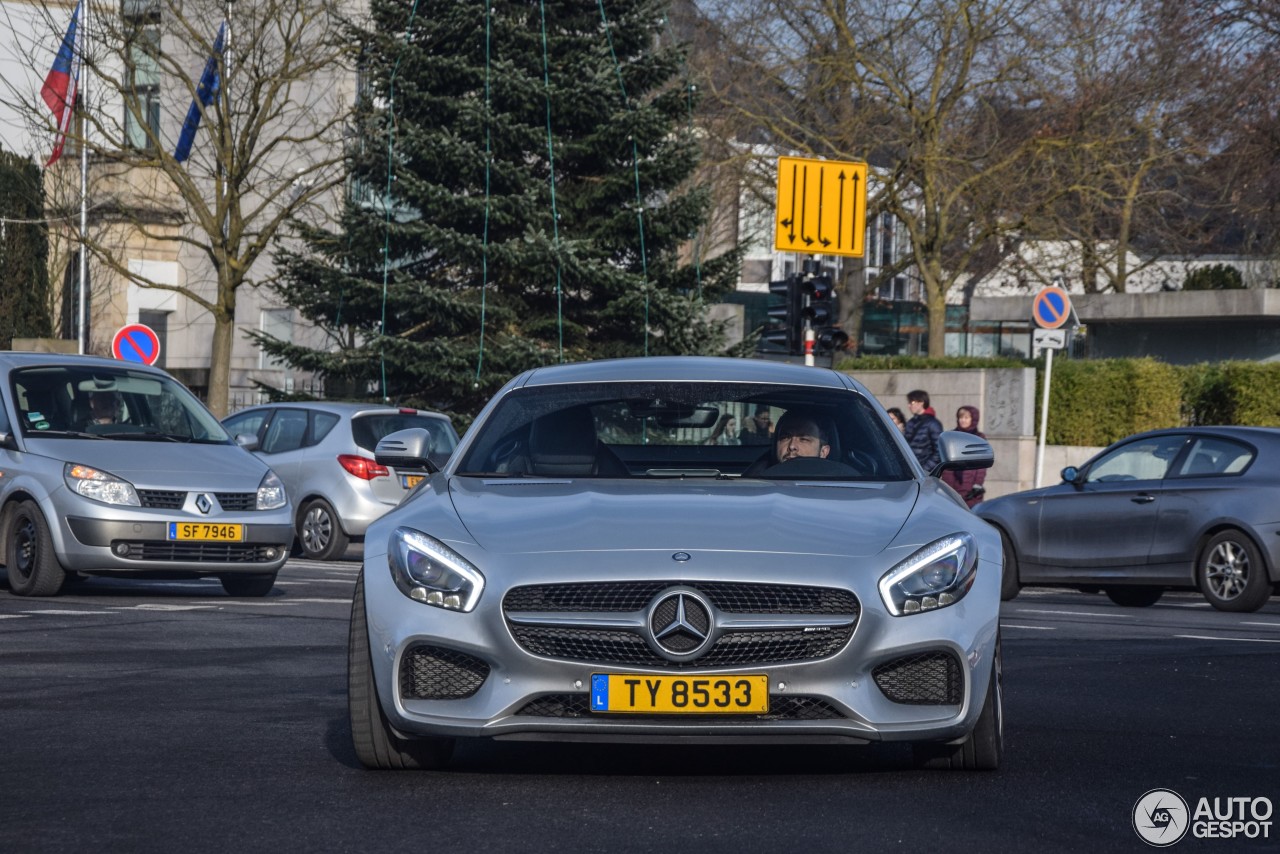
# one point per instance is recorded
(1037, 628)
(291, 601)
(307, 581)
(1268, 625)
(1072, 613)
(60, 613)
(158, 607)
(11, 616)
(1245, 640)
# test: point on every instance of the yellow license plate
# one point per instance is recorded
(411, 480)
(206, 532)
(680, 695)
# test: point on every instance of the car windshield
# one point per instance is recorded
(685, 430)
(110, 403)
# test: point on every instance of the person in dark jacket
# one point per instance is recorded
(922, 430)
(969, 483)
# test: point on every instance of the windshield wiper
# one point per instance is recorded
(146, 436)
(71, 434)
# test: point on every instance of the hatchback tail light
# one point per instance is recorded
(362, 467)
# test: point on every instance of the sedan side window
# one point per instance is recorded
(1146, 459)
(286, 431)
(321, 424)
(247, 422)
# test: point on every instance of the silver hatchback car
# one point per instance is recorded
(109, 467)
(324, 454)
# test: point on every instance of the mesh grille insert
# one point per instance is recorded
(780, 709)
(738, 598)
(203, 552)
(436, 673)
(924, 679)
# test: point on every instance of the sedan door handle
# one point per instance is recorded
(1143, 499)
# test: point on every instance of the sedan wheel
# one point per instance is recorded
(1231, 574)
(34, 569)
(1135, 595)
(1009, 585)
(319, 532)
(377, 744)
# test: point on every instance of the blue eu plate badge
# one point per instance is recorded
(599, 692)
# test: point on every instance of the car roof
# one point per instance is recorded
(1265, 434)
(28, 359)
(340, 407)
(687, 369)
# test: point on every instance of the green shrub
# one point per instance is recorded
(1097, 401)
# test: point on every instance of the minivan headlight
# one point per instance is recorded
(99, 485)
(938, 575)
(426, 570)
(271, 492)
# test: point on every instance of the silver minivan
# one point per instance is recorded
(323, 451)
(112, 467)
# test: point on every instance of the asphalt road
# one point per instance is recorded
(165, 716)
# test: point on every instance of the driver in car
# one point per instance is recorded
(799, 434)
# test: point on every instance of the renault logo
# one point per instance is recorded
(680, 624)
(203, 503)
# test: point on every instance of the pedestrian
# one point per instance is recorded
(922, 430)
(970, 482)
(758, 428)
(898, 418)
(725, 432)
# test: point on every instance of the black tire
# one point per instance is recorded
(248, 585)
(983, 748)
(320, 534)
(377, 745)
(1231, 573)
(1134, 595)
(1009, 584)
(33, 568)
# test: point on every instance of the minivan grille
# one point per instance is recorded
(162, 498)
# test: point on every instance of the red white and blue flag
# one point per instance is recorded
(59, 90)
(210, 81)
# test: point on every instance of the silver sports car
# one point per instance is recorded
(597, 562)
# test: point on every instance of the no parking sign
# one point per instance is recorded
(136, 342)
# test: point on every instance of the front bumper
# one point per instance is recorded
(855, 695)
(141, 545)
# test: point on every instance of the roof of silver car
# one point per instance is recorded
(340, 407)
(685, 369)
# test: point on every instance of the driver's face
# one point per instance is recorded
(800, 440)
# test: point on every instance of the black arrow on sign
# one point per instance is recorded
(804, 204)
(853, 225)
(822, 183)
(840, 220)
(791, 220)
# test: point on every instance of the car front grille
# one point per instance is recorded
(165, 499)
(436, 673)
(237, 500)
(734, 647)
(780, 709)
(923, 679)
(201, 552)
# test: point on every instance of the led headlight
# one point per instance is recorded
(99, 485)
(271, 492)
(938, 575)
(426, 570)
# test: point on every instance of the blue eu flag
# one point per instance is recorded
(205, 93)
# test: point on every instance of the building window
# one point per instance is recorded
(142, 70)
(158, 321)
(277, 323)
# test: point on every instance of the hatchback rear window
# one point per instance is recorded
(368, 429)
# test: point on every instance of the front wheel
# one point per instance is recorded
(1231, 574)
(983, 748)
(320, 533)
(1135, 595)
(248, 585)
(33, 567)
(377, 744)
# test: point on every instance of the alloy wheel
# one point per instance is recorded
(1227, 570)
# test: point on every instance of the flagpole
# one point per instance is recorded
(83, 89)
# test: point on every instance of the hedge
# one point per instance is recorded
(1097, 401)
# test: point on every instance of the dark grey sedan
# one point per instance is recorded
(1178, 508)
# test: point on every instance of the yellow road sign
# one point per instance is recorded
(821, 206)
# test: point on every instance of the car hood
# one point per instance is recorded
(162, 465)
(530, 516)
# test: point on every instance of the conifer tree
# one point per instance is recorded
(509, 151)
(24, 251)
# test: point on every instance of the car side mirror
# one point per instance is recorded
(960, 451)
(7, 440)
(248, 441)
(406, 449)
(1071, 474)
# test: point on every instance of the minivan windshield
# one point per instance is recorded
(65, 401)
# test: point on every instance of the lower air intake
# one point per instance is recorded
(923, 679)
(435, 673)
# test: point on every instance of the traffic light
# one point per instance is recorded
(785, 323)
(821, 313)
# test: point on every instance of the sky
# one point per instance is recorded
(29, 39)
